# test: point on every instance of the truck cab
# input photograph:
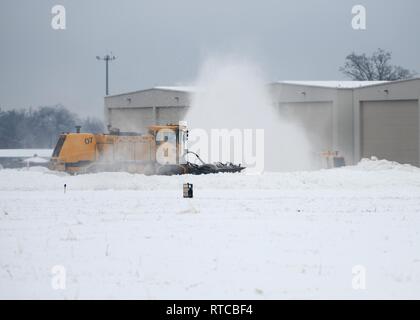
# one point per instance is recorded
(72, 151)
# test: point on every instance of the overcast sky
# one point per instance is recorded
(164, 42)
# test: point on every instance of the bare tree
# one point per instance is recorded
(361, 67)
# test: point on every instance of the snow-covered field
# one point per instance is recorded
(269, 236)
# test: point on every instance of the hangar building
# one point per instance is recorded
(357, 119)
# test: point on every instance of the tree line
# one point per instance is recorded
(40, 127)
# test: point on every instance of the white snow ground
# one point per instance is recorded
(270, 236)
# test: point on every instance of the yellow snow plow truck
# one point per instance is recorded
(162, 150)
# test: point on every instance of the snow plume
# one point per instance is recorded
(232, 94)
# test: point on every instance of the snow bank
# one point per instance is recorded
(35, 160)
(374, 164)
(376, 174)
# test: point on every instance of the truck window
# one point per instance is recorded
(58, 146)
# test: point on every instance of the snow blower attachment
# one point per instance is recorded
(161, 151)
(206, 168)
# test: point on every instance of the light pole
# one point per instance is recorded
(106, 58)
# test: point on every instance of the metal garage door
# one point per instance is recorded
(317, 120)
(131, 119)
(167, 115)
(390, 130)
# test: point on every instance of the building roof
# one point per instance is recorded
(334, 84)
(186, 89)
(177, 88)
(325, 84)
(319, 84)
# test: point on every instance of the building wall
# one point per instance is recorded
(341, 102)
(347, 103)
(136, 110)
(392, 92)
(389, 130)
(344, 125)
(131, 119)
